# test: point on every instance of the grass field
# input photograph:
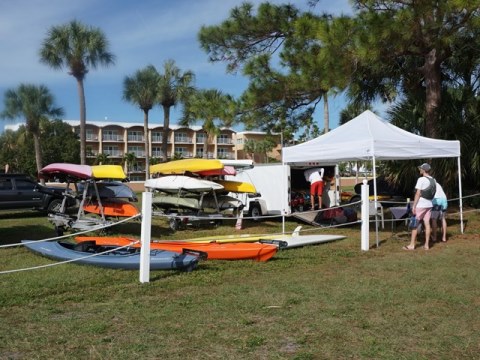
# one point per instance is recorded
(330, 301)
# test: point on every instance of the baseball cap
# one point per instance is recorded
(425, 167)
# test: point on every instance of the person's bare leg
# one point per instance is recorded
(444, 229)
(312, 200)
(434, 230)
(320, 201)
(413, 240)
(428, 231)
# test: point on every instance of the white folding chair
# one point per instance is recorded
(376, 211)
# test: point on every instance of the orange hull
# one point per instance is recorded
(113, 208)
(215, 251)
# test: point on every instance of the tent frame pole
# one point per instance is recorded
(460, 194)
(375, 201)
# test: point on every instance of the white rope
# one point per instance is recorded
(95, 228)
(68, 261)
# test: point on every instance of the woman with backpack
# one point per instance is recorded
(422, 205)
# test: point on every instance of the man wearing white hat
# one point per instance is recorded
(422, 204)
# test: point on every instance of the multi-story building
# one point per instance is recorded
(116, 139)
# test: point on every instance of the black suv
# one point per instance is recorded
(19, 191)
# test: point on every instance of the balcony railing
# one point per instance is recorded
(138, 153)
(133, 138)
(183, 139)
(90, 137)
(112, 137)
(113, 153)
(224, 141)
(157, 139)
(92, 153)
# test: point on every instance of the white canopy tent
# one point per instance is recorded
(368, 137)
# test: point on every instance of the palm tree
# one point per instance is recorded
(214, 108)
(129, 159)
(77, 47)
(34, 103)
(102, 159)
(141, 89)
(174, 87)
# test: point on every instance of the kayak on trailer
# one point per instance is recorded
(237, 186)
(128, 258)
(176, 202)
(227, 170)
(75, 170)
(108, 172)
(178, 167)
(215, 251)
(174, 183)
(115, 208)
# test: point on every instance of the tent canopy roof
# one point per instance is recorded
(366, 137)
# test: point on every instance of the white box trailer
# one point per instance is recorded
(275, 184)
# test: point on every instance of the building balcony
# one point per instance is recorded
(92, 153)
(113, 153)
(138, 153)
(135, 138)
(224, 142)
(112, 138)
(91, 137)
(183, 140)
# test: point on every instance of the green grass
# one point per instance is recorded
(330, 301)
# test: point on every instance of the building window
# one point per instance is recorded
(182, 152)
(111, 135)
(139, 151)
(223, 153)
(224, 139)
(157, 152)
(157, 136)
(182, 137)
(200, 138)
(112, 151)
(135, 136)
(90, 135)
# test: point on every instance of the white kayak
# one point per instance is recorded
(174, 183)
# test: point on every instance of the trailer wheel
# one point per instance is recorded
(174, 224)
(54, 206)
(59, 230)
(255, 212)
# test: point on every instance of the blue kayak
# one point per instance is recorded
(125, 258)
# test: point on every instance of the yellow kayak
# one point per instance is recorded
(108, 172)
(237, 186)
(232, 238)
(178, 167)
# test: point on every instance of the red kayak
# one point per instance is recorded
(215, 251)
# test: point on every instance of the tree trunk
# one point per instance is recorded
(83, 120)
(432, 74)
(205, 146)
(147, 147)
(166, 125)
(38, 155)
(326, 115)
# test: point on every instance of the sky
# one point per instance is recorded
(140, 33)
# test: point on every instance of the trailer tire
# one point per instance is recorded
(54, 206)
(255, 212)
(174, 224)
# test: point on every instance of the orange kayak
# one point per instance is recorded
(115, 208)
(215, 251)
